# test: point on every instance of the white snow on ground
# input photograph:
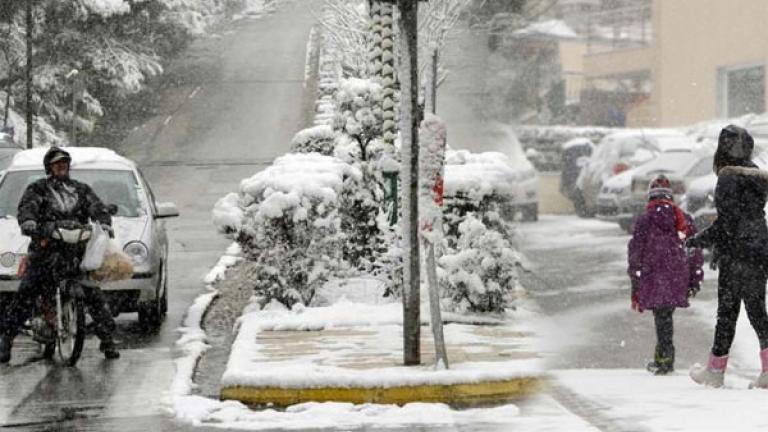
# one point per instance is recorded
(563, 232)
(547, 416)
(192, 344)
(320, 369)
(631, 398)
(539, 414)
(636, 400)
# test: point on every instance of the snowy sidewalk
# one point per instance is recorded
(351, 351)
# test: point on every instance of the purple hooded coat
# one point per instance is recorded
(659, 264)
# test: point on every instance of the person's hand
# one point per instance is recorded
(29, 228)
(694, 289)
(691, 243)
(108, 229)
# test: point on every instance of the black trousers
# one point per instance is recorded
(38, 280)
(740, 281)
(665, 349)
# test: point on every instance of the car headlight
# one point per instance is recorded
(8, 259)
(137, 251)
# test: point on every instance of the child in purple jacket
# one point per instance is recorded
(663, 275)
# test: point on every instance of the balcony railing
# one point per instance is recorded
(615, 29)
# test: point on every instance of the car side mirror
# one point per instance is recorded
(112, 209)
(166, 210)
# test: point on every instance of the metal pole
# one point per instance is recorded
(30, 118)
(410, 180)
(74, 114)
(434, 82)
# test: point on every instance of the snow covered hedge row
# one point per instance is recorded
(288, 220)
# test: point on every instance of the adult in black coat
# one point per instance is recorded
(44, 203)
(739, 238)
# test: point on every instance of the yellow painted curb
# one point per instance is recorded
(469, 394)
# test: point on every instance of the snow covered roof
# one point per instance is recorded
(81, 157)
(549, 28)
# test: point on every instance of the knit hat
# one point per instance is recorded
(660, 188)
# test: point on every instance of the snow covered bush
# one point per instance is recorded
(288, 222)
(359, 114)
(361, 201)
(478, 267)
(480, 273)
(316, 139)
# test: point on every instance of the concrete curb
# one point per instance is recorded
(454, 394)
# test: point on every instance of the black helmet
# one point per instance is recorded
(55, 154)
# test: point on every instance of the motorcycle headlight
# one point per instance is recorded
(8, 259)
(137, 251)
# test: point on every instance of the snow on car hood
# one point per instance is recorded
(11, 239)
(126, 230)
(620, 181)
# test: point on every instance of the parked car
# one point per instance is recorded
(619, 152)
(506, 172)
(699, 200)
(614, 198)
(8, 148)
(681, 167)
(574, 155)
(139, 226)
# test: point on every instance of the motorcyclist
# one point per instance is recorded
(45, 202)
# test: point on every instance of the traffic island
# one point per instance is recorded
(352, 352)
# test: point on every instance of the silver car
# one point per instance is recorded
(138, 223)
(618, 152)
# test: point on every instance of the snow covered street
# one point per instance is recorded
(597, 347)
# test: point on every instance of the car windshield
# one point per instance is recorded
(118, 187)
(677, 162)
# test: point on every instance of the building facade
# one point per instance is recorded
(675, 62)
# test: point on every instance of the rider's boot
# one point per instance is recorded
(6, 342)
(109, 349)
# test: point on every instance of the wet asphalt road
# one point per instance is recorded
(238, 99)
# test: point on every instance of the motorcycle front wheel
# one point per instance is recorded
(70, 334)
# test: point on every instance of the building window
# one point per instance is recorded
(741, 91)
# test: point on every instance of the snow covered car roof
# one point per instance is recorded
(577, 142)
(91, 157)
(676, 163)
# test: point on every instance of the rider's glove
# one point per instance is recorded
(29, 228)
(108, 229)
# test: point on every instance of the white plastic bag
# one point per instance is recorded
(95, 249)
(116, 265)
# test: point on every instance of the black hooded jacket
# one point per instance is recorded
(739, 232)
(53, 199)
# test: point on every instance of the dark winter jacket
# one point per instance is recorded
(739, 232)
(49, 200)
(659, 266)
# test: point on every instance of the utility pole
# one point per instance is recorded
(409, 129)
(30, 118)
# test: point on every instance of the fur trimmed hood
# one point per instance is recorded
(756, 173)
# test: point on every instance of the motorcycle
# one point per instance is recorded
(58, 323)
